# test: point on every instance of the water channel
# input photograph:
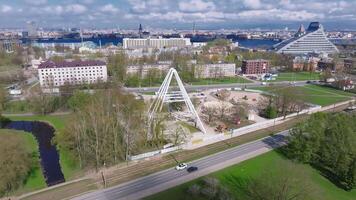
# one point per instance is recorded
(49, 157)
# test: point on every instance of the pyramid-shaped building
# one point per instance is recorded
(313, 40)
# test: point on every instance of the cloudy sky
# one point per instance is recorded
(178, 13)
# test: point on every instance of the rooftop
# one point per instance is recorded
(76, 63)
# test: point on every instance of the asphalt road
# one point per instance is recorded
(151, 184)
(216, 86)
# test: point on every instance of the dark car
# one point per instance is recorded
(192, 169)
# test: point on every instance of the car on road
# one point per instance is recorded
(263, 83)
(181, 166)
(192, 169)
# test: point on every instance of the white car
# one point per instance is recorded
(181, 166)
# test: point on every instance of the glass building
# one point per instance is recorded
(313, 40)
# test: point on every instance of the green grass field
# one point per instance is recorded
(35, 180)
(226, 80)
(319, 95)
(297, 76)
(69, 167)
(252, 168)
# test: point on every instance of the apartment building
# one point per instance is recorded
(255, 66)
(143, 70)
(215, 70)
(157, 43)
(55, 74)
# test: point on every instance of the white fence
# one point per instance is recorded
(153, 153)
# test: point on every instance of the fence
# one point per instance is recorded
(153, 153)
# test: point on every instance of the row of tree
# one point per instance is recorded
(107, 127)
(328, 142)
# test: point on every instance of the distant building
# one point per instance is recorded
(55, 74)
(143, 70)
(32, 29)
(215, 70)
(255, 66)
(326, 63)
(305, 63)
(9, 45)
(157, 43)
(313, 40)
(350, 64)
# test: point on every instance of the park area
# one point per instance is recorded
(317, 94)
(272, 162)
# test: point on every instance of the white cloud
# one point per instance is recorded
(109, 8)
(196, 6)
(6, 8)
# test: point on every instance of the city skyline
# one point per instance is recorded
(207, 14)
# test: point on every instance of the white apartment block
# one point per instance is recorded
(143, 70)
(55, 74)
(215, 70)
(157, 43)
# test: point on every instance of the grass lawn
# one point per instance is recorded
(190, 127)
(69, 167)
(253, 167)
(319, 95)
(226, 80)
(297, 76)
(35, 180)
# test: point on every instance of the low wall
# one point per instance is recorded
(153, 153)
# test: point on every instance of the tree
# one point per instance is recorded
(328, 142)
(271, 112)
(79, 100)
(3, 99)
(209, 113)
(107, 129)
(285, 100)
(178, 135)
(117, 66)
(44, 104)
(16, 161)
